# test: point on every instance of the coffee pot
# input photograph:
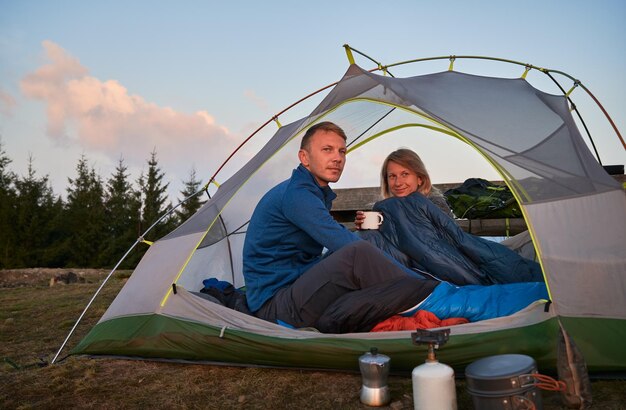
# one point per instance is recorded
(374, 369)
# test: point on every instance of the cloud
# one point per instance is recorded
(7, 103)
(103, 116)
(256, 100)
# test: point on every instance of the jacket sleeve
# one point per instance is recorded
(307, 211)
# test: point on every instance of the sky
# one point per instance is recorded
(191, 80)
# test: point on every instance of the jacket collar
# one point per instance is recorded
(305, 174)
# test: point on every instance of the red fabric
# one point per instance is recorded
(422, 319)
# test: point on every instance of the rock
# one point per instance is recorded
(66, 278)
(396, 405)
(9, 321)
(241, 399)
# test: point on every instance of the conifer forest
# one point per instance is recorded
(96, 220)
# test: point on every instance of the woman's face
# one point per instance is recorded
(402, 181)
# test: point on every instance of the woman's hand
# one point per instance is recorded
(358, 219)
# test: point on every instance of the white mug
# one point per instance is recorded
(372, 220)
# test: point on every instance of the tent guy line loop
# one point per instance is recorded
(142, 240)
(451, 66)
(576, 84)
(214, 182)
(380, 66)
(349, 53)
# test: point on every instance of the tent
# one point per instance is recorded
(530, 137)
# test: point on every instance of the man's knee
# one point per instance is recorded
(362, 246)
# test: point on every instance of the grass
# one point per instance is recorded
(35, 319)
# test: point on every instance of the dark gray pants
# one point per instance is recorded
(351, 290)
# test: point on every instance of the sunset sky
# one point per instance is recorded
(192, 79)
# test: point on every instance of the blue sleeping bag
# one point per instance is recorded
(419, 235)
(475, 302)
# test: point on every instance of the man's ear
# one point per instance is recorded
(303, 156)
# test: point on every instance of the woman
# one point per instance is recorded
(402, 174)
(419, 231)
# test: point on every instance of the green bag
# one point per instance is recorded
(478, 198)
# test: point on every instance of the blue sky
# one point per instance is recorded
(153, 71)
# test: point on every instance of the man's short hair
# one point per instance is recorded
(324, 126)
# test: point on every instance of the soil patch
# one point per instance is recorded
(14, 278)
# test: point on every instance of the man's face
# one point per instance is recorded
(325, 156)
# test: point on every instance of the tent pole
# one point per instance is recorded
(606, 114)
(91, 301)
(274, 118)
(578, 113)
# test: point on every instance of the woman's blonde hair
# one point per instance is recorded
(408, 159)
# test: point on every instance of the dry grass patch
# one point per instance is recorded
(34, 320)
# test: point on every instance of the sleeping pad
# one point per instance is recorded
(419, 235)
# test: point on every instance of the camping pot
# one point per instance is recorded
(374, 371)
(503, 382)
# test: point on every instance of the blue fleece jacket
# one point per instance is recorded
(289, 228)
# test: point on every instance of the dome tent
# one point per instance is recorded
(527, 135)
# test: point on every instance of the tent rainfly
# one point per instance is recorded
(527, 135)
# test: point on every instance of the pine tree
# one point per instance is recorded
(194, 203)
(85, 217)
(122, 209)
(155, 203)
(34, 213)
(54, 255)
(7, 210)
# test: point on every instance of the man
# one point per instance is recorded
(288, 280)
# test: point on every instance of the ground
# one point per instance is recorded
(35, 319)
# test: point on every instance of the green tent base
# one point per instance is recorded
(158, 336)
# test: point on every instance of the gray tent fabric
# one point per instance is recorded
(575, 211)
(522, 244)
(528, 134)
